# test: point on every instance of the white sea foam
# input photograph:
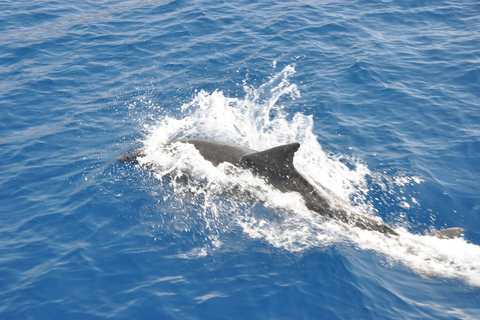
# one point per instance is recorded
(259, 122)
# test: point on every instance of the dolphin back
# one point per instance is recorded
(276, 166)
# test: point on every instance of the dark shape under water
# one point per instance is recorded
(275, 165)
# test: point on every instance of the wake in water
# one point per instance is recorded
(259, 122)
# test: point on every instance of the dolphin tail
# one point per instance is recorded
(449, 233)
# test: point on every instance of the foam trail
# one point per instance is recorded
(259, 122)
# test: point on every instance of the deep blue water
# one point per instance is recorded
(390, 91)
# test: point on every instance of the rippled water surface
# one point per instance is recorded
(383, 96)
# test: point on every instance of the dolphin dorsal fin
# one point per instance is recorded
(277, 160)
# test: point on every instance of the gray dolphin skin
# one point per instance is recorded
(275, 165)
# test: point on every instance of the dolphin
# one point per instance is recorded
(276, 166)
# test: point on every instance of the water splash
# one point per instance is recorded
(259, 121)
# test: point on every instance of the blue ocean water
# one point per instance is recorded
(384, 97)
